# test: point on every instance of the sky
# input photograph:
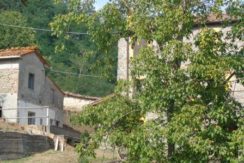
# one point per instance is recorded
(100, 3)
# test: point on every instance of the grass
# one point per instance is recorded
(68, 156)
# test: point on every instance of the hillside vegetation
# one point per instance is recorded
(77, 65)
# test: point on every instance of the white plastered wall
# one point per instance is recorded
(41, 112)
(76, 104)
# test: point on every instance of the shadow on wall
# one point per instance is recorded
(2, 99)
(14, 145)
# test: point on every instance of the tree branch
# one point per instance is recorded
(231, 75)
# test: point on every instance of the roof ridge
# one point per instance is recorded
(22, 51)
(81, 96)
(20, 48)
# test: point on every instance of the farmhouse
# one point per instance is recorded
(27, 95)
(127, 50)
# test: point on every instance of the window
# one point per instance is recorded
(51, 122)
(57, 123)
(31, 118)
(31, 81)
(1, 113)
(41, 121)
(53, 96)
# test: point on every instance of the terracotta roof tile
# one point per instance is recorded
(213, 19)
(22, 51)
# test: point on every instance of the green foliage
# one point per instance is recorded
(107, 124)
(103, 60)
(86, 57)
(235, 9)
(185, 84)
(12, 37)
(198, 120)
(11, 4)
(74, 54)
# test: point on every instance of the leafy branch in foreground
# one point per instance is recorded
(185, 84)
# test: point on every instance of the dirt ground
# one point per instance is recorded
(50, 156)
(68, 156)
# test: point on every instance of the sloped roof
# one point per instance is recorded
(102, 100)
(218, 18)
(69, 94)
(19, 52)
(213, 19)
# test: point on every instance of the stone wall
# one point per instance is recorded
(126, 51)
(16, 145)
(9, 80)
(9, 76)
(123, 59)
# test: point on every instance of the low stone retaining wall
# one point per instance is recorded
(14, 145)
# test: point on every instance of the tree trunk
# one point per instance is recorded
(171, 146)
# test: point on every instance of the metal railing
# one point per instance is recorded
(47, 116)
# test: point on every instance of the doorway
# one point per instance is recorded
(1, 111)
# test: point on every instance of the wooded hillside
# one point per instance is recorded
(76, 64)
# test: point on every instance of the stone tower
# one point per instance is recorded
(123, 60)
(126, 51)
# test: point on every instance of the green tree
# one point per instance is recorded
(85, 56)
(12, 37)
(64, 51)
(11, 4)
(198, 119)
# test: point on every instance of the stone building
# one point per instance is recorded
(126, 51)
(27, 95)
(76, 102)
